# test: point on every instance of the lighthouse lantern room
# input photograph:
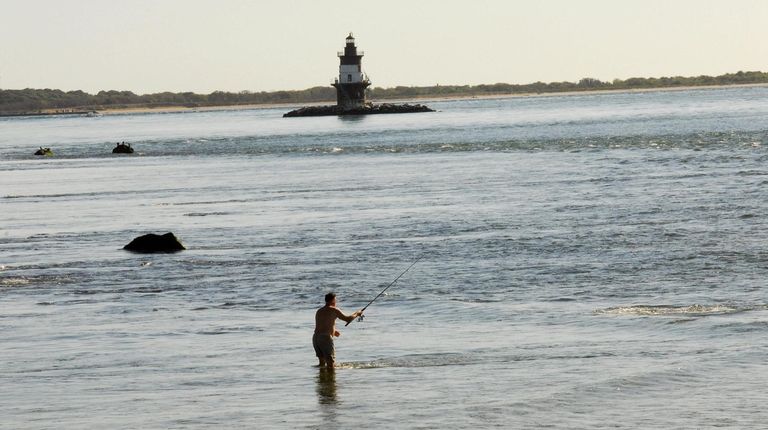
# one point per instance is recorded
(352, 82)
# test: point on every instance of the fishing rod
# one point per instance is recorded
(385, 289)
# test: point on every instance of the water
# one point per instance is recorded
(590, 261)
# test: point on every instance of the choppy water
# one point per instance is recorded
(593, 261)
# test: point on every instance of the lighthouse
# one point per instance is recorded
(350, 91)
(352, 82)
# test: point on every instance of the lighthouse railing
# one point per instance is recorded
(341, 53)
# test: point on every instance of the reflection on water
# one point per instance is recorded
(326, 387)
(351, 118)
(326, 397)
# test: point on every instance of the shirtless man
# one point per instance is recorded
(325, 330)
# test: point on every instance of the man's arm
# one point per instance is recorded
(348, 318)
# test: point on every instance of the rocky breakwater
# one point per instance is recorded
(369, 109)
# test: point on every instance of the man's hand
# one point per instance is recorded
(336, 333)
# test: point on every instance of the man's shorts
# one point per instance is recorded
(323, 344)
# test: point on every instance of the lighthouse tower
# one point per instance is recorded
(352, 82)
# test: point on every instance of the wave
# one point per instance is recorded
(414, 361)
(673, 310)
(14, 282)
(402, 142)
(202, 214)
(36, 280)
(466, 359)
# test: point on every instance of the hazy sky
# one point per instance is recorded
(232, 45)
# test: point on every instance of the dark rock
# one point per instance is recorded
(122, 148)
(369, 109)
(151, 243)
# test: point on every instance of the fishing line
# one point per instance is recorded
(360, 318)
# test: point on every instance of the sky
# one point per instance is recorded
(149, 46)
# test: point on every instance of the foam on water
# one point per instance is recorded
(413, 361)
(665, 310)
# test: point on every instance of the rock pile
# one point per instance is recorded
(369, 109)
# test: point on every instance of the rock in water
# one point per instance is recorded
(151, 243)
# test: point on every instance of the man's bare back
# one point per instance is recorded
(325, 320)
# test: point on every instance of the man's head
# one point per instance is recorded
(330, 299)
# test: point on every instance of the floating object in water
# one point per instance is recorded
(44, 151)
(122, 148)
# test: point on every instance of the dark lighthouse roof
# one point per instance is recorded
(350, 54)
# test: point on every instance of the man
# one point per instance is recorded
(325, 330)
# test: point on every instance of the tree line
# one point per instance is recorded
(585, 84)
(45, 100)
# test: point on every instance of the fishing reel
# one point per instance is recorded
(360, 318)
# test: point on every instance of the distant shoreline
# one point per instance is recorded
(585, 92)
(128, 110)
(176, 109)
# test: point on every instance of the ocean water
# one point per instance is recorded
(587, 261)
